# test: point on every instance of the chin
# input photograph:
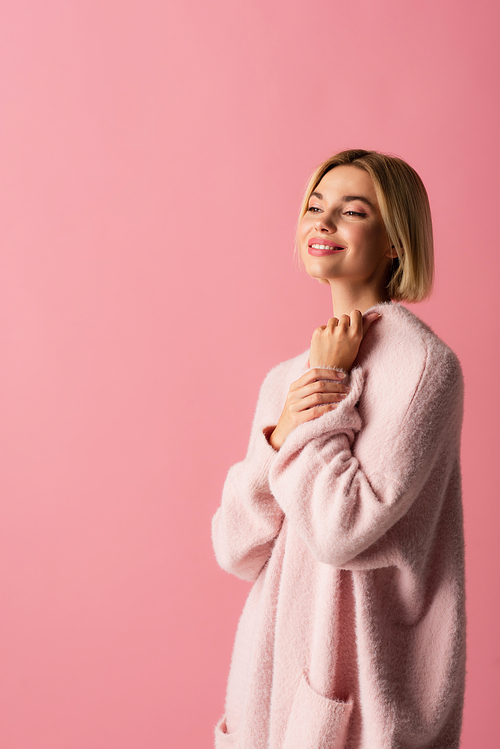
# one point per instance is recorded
(318, 278)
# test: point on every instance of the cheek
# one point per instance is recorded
(375, 240)
(303, 227)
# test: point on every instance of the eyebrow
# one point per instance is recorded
(345, 198)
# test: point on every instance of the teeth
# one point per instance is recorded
(325, 247)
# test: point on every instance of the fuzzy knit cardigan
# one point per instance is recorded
(353, 634)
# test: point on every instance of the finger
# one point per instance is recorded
(310, 396)
(332, 322)
(356, 322)
(344, 321)
(317, 399)
(368, 321)
(317, 373)
(314, 413)
(325, 373)
(322, 386)
(317, 331)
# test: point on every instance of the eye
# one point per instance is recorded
(354, 213)
(313, 209)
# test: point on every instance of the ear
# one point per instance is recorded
(392, 252)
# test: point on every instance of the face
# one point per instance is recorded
(342, 234)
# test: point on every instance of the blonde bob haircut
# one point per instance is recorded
(406, 213)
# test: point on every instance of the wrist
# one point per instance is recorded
(269, 434)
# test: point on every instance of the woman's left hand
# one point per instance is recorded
(337, 343)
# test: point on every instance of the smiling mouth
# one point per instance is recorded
(326, 246)
(318, 249)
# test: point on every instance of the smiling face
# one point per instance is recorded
(342, 234)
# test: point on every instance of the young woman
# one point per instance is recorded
(346, 512)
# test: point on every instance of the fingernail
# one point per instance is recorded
(341, 375)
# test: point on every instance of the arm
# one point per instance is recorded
(343, 507)
(249, 518)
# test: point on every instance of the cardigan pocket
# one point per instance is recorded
(223, 739)
(316, 722)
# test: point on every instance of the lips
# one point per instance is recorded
(319, 247)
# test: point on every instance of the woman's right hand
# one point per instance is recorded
(313, 394)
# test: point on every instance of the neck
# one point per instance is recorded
(347, 298)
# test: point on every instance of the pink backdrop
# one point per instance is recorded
(153, 157)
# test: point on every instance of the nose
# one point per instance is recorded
(325, 223)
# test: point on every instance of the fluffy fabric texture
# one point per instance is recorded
(353, 635)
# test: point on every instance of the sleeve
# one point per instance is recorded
(249, 518)
(341, 508)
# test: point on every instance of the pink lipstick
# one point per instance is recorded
(319, 247)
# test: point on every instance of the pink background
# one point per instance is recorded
(153, 158)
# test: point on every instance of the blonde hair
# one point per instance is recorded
(406, 213)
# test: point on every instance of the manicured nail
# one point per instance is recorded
(341, 375)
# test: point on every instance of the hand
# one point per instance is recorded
(337, 343)
(312, 395)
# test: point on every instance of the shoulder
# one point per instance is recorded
(401, 339)
(405, 357)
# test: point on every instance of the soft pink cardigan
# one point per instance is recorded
(353, 635)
